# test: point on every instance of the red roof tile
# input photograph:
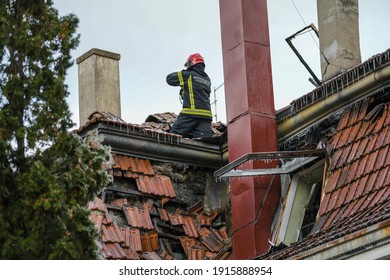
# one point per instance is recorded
(190, 226)
(175, 219)
(112, 234)
(97, 204)
(131, 254)
(209, 239)
(138, 218)
(158, 185)
(113, 251)
(163, 214)
(164, 255)
(196, 253)
(207, 219)
(120, 202)
(354, 131)
(360, 164)
(132, 239)
(187, 243)
(361, 147)
(149, 241)
(134, 165)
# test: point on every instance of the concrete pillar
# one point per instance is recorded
(251, 120)
(98, 83)
(338, 22)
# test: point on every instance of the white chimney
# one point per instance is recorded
(98, 83)
(338, 22)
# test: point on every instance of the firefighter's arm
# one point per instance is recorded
(175, 79)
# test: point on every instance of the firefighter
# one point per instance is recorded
(195, 87)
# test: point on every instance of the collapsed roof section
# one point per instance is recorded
(142, 215)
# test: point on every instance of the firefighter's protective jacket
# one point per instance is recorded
(195, 90)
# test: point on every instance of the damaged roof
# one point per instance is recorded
(158, 123)
(356, 194)
(130, 229)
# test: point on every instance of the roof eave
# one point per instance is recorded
(372, 242)
(155, 145)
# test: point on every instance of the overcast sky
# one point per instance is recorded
(154, 38)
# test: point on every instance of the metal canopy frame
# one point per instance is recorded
(288, 40)
(298, 160)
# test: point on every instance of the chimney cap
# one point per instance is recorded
(99, 52)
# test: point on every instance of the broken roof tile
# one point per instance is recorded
(163, 214)
(132, 239)
(149, 241)
(187, 243)
(223, 254)
(97, 204)
(113, 251)
(159, 185)
(138, 218)
(207, 219)
(190, 227)
(120, 202)
(131, 254)
(164, 255)
(196, 253)
(175, 219)
(134, 165)
(210, 240)
(196, 208)
(112, 234)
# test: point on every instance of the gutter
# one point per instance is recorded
(354, 246)
(160, 146)
(320, 110)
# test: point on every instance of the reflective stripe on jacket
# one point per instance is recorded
(195, 90)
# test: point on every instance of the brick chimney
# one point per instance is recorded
(98, 83)
(251, 120)
(338, 22)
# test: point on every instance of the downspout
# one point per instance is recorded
(322, 109)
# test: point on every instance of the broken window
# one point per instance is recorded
(300, 206)
(302, 175)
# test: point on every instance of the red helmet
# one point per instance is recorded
(194, 59)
